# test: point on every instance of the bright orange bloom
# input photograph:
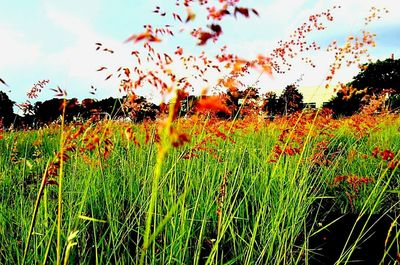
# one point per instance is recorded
(212, 104)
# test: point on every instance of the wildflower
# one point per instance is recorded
(393, 164)
(212, 104)
(354, 181)
(338, 179)
(387, 155)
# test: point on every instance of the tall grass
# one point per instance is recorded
(237, 208)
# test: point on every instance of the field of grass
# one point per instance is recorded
(239, 192)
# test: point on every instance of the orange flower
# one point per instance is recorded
(393, 164)
(212, 104)
(147, 35)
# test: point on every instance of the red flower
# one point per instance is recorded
(339, 179)
(375, 152)
(387, 155)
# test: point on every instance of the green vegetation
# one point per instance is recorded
(233, 202)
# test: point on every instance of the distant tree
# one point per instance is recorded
(346, 102)
(140, 109)
(291, 100)
(48, 111)
(248, 101)
(243, 100)
(147, 110)
(72, 109)
(112, 106)
(270, 103)
(378, 76)
(394, 102)
(87, 108)
(373, 80)
(6, 109)
(232, 96)
(250, 93)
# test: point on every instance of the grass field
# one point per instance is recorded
(239, 192)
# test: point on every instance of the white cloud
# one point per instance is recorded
(80, 60)
(17, 49)
(77, 59)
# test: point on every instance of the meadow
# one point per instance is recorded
(207, 191)
(219, 178)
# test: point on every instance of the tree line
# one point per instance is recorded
(239, 103)
(379, 80)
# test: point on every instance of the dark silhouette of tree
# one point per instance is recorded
(378, 76)
(147, 110)
(270, 103)
(250, 93)
(370, 83)
(6, 109)
(52, 110)
(241, 100)
(87, 108)
(72, 109)
(48, 111)
(394, 102)
(233, 95)
(111, 106)
(141, 109)
(291, 100)
(248, 101)
(232, 99)
(344, 104)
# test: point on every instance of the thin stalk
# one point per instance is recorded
(164, 146)
(60, 179)
(46, 255)
(35, 211)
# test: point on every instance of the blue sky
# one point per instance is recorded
(45, 39)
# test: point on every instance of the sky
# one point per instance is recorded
(55, 40)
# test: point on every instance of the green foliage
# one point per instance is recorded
(265, 209)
